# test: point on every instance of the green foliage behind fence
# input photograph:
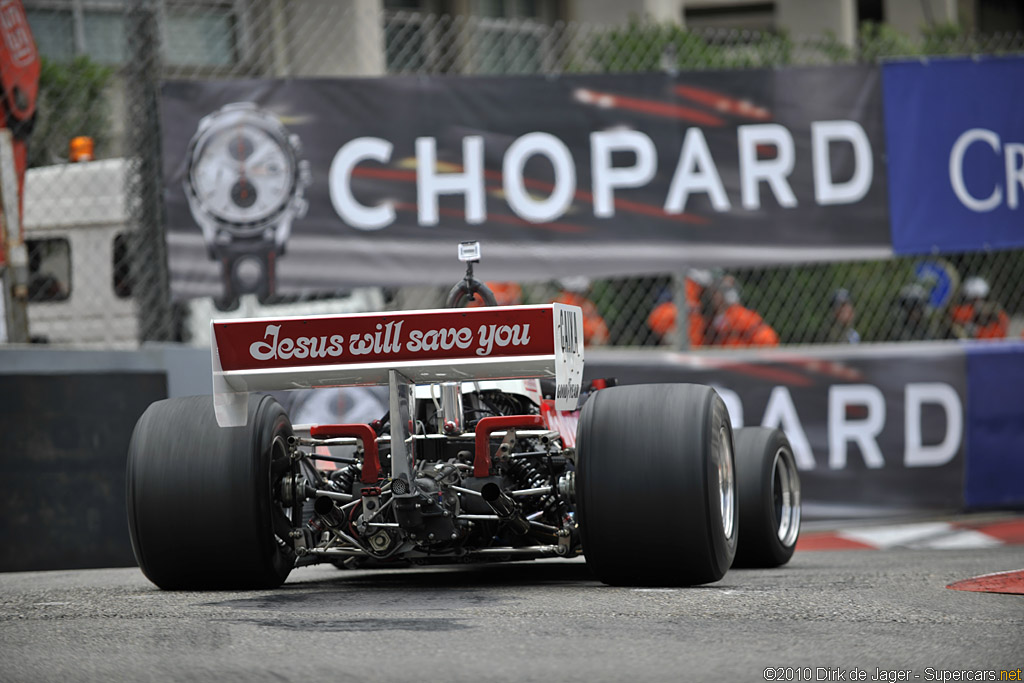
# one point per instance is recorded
(73, 100)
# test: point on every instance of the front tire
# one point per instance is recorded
(655, 484)
(201, 498)
(769, 497)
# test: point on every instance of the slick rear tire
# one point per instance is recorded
(201, 498)
(655, 485)
(769, 497)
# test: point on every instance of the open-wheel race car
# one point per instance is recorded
(481, 457)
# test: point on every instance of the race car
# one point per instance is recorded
(492, 450)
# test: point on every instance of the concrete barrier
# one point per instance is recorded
(67, 417)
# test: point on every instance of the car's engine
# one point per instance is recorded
(517, 501)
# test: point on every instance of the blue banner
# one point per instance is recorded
(995, 425)
(955, 138)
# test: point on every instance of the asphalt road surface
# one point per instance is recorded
(825, 616)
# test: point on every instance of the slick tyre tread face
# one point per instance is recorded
(201, 508)
(648, 485)
(769, 497)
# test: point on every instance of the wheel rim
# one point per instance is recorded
(726, 483)
(785, 497)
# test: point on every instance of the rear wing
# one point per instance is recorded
(447, 345)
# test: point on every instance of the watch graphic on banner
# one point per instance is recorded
(245, 186)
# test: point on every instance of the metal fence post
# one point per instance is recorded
(682, 332)
(144, 183)
(13, 277)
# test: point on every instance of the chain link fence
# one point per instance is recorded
(96, 238)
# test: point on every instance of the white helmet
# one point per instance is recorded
(575, 283)
(975, 288)
(701, 276)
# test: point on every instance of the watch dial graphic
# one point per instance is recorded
(245, 185)
(242, 174)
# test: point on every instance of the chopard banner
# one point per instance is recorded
(286, 186)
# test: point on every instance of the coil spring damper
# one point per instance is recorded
(527, 476)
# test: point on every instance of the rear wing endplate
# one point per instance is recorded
(447, 345)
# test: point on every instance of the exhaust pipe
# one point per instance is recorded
(329, 512)
(505, 508)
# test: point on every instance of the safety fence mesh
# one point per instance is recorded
(98, 260)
